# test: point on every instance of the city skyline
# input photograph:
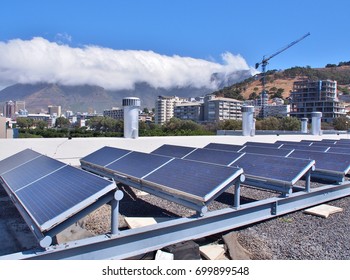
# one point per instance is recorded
(116, 44)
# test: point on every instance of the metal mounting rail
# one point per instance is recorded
(133, 242)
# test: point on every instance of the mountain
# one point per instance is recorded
(88, 98)
(282, 81)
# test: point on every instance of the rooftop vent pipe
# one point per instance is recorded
(248, 124)
(316, 123)
(304, 125)
(131, 107)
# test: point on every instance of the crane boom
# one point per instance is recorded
(265, 60)
(264, 63)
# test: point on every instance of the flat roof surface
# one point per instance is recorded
(70, 151)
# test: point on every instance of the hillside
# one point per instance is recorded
(282, 81)
(86, 98)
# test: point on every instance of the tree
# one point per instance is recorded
(230, 125)
(24, 122)
(62, 122)
(341, 123)
(290, 124)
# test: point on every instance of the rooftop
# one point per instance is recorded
(70, 151)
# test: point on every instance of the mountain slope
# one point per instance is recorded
(284, 80)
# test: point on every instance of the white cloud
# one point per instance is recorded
(38, 60)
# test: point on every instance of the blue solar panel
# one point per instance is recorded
(292, 143)
(224, 147)
(17, 159)
(105, 155)
(261, 144)
(190, 179)
(304, 148)
(58, 196)
(325, 161)
(265, 167)
(266, 151)
(173, 151)
(137, 164)
(31, 171)
(49, 191)
(273, 168)
(339, 149)
(214, 156)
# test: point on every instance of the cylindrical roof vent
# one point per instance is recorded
(316, 123)
(131, 106)
(248, 124)
(304, 125)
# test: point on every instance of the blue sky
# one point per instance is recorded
(199, 29)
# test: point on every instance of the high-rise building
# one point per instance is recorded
(164, 108)
(54, 110)
(316, 96)
(114, 113)
(10, 109)
(221, 108)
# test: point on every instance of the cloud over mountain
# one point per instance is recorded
(39, 60)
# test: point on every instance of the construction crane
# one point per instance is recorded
(264, 63)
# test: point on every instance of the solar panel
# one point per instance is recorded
(49, 191)
(267, 168)
(190, 179)
(224, 147)
(273, 168)
(17, 159)
(304, 147)
(137, 164)
(266, 151)
(105, 155)
(195, 182)
(214, 156)
(30, 172)
(173, 151)
(261, 144)
(331, 162)
(292, 143)
(339, 149)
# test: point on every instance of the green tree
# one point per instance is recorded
(230, 125)
(290, 124)
(62, 122)
(24, 122)
(341, 123)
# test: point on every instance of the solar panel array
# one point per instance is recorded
(193, 181)
(331, 156)
(49, 191)
(279, 170)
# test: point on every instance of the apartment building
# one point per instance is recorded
(189, 111)
(316, 96)
(114, 113)
(164, 108)
(220, 108)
